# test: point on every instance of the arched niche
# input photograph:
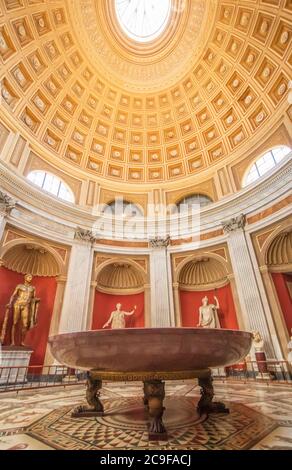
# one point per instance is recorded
(122, 281)
(278, 259)
(19, 257)
(208, 275)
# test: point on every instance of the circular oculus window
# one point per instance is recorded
(143, 20)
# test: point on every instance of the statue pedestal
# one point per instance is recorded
(218, 372)
(14, 361)
(70, 377)
(263, 373)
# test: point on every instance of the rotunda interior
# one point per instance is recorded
(145, 182)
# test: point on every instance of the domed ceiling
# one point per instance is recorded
(92, 99)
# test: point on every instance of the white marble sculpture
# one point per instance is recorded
(208, 316)
(117, 317)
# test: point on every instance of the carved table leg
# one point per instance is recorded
(153, 397)
(145, 398)
(206, 404)
(94, 407)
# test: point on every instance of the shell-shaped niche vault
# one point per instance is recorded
(202, 272)
(280, 250)
(120, 276)
(31, 258)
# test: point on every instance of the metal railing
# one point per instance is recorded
(35, 377)
(267, 371)
(38, 377)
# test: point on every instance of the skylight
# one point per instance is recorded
(143, 20)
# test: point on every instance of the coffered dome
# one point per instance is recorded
(92, 97)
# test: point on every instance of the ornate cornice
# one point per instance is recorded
(43, 214)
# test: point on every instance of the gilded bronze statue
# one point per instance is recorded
(23, 308)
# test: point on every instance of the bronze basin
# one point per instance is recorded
(151, 349)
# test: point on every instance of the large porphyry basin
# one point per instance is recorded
(151, 349)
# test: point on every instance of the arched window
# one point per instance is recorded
(199, 199)
(123, 208)
(265, 163)
(52, 184)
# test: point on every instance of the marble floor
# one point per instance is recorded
(260, 418)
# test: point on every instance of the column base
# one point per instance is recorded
(70, 377)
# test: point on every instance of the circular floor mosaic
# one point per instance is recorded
(124, 426)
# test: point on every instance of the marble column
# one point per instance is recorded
(55, 322)
(147, 306)
(162, 310)
(177, 309)
(279, 320)
(251, 293)
(92, 292)
(2, 224)
(76, 298)
(236, 301)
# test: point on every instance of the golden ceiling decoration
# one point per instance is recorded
(95, 105)
(201, 273)
(31, 259)
(143, 67)
(120, 276)
(280, 250)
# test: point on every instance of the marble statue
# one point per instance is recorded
(208, 316)
(23, 307)
(117, 318)
(260, 356)
(258, 341)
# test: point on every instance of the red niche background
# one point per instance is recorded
(105, 303)
(280, 282)
(36, 338)
(191, 301)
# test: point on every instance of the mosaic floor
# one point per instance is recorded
(260, 418)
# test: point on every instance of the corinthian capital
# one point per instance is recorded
(235, 223)
(84, 235)
(6, 203)
(159, 242)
